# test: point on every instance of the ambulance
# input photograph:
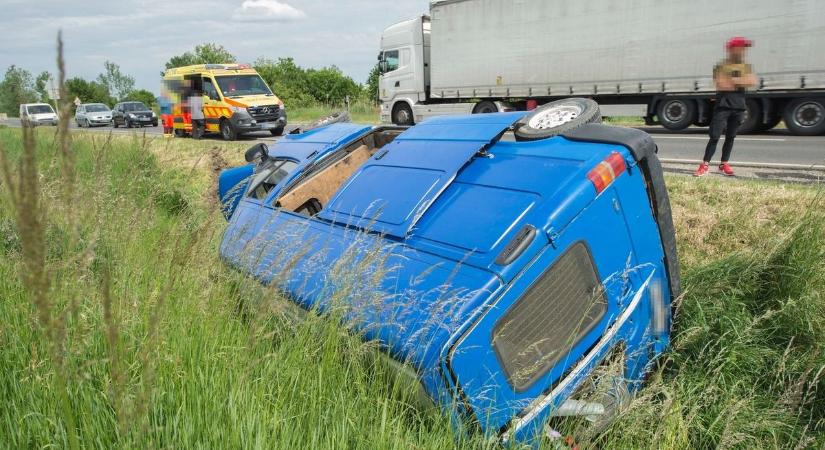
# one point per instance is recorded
(236, 100)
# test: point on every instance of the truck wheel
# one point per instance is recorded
(805, 116)
(676, 114)
(485, 107)
(402, 114)
(557, 117)
(227, 132)
(753, 117)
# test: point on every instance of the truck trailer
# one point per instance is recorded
(646, 58)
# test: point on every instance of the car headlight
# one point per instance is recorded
(153, 114)
(131, 116)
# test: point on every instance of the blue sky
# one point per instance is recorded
(141, 35)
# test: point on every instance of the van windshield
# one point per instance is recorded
(39, 109)
(240, 85)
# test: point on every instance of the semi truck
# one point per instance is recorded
(645, 58)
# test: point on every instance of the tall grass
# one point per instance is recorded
(122, 329)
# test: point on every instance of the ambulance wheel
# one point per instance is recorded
(277, 131)
(557, 117)
(227, 132)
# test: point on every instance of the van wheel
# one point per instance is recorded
(557, 117)
(277, 131)
(676, 114)
(227, 132)
(485, 107)
(753, 117)
(805, 116)
(402, 114)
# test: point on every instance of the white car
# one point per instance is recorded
(37, 114)
(92, 114)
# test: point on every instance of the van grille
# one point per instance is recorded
(266, 113)
(555, 313)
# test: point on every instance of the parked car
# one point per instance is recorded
(133, 114)
(37, 114)
(92, 115)
(507, 259)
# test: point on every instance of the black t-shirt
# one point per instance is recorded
(732, 99)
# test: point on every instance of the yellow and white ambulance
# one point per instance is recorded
(236, 100)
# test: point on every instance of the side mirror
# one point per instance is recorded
(258, 152)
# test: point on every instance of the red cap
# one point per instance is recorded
(738, 41)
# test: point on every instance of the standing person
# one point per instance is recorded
(732, 77)
(196, 111)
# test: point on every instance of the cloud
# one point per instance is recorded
(267, 11)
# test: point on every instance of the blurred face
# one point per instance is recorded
(737, 54)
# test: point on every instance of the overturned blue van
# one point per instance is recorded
(502, 257)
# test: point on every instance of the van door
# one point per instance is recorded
(390, 192)
(550, 318)
(213, 108)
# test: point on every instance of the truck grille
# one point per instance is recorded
(266, 113)
(565, 304)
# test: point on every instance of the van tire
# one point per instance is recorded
(402, 114)
(277, 131)
(805, 116)
(583, 111)
(676, 114)
(227, 132)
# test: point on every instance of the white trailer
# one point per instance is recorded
(650, 58)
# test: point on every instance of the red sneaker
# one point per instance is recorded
(725, 168)
(702, 170)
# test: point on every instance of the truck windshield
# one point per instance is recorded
(40, 109)
(240, 85)
(96, 108)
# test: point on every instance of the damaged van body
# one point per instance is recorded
(502, 257)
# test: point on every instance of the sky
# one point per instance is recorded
(141, 35)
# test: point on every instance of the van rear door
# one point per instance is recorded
(550, 317)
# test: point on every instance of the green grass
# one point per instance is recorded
(360, 112)
(154, 343)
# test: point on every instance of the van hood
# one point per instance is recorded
(253, 100)
(44, 116)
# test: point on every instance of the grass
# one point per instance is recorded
(122, 329)
(360, 112)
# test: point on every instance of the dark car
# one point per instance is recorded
(133, 114)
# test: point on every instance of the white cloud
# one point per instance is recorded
(267, 11)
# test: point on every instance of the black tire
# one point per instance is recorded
(114, 123)
(676, 113)
(88, 124)
(179, 133)
(805, 116)
(580, 111)
(753, 117)
(773, 119)
(227, 131)
(402, 114)
(277, 131)
(128, 123)
(485, 107)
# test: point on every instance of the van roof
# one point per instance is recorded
(213, 69)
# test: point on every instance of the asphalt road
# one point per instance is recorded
(776, 147)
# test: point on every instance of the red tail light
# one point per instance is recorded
(606, 171)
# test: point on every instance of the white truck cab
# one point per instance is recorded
(37, 114)
(403, 61)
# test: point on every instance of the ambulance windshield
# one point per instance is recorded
(240, 85)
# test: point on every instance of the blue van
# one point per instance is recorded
(503, 258)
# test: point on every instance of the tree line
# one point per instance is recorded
(295, 85)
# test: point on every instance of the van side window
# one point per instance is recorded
(268, 176)
(557, 311)
(210, 90)
(391, 57)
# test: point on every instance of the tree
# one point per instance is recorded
(41, 86)
(88, 91)
(371, 87)
(16, 88)
(287, 80)
(330, 85)
(207, 53)
(118, 84)
(142, 95)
